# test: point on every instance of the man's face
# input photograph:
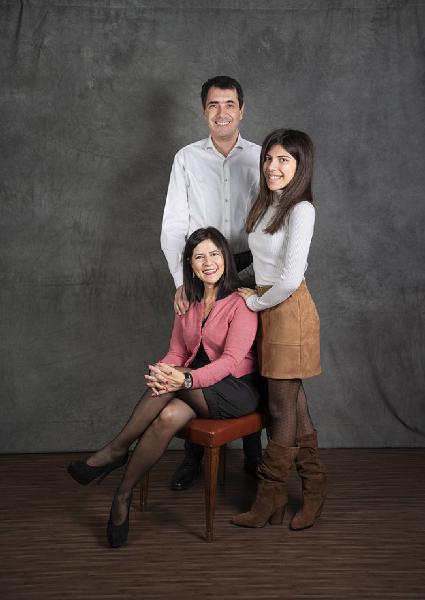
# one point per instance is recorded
(222, 113)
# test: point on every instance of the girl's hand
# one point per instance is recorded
(245, 293)
(163, 378)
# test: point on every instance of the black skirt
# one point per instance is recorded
(231, 397)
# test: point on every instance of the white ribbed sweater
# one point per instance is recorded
(280, 259)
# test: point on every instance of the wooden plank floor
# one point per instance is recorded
(369, 543)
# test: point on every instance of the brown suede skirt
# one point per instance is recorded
(288, 338)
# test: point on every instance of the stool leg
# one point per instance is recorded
(144, 490)
(212, 459)
(222, 466)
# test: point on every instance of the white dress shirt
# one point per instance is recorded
(209, 189)
(280, 258)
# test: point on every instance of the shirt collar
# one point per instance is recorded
(240, 143)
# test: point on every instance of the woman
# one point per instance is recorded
(280, 226)
(208, 372)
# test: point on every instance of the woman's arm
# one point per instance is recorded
(163, 377)
(300, 232)
(239, 340)
(177, 353)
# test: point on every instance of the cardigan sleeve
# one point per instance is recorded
(238, 343)
(300, 232)
(177, 354)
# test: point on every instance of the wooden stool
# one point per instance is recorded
(213, 435)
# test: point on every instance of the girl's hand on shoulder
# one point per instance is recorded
(245, 293)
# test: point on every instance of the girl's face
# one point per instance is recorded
(279, 167)
(207, 263)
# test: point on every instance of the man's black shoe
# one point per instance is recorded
(185, 475)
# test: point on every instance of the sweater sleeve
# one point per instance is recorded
(239, 340)
(300, 232)
(177, 354)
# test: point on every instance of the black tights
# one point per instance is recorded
(289, 415)
(154, 422)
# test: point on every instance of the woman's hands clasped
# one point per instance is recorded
(163, 378)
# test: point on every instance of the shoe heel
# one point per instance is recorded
(277, 516)
(102, 477)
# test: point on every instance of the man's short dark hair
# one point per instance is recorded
(224, 83)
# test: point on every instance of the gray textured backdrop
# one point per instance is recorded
(97, 96)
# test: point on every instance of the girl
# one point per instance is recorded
(280, 226)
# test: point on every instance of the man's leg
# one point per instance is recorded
(189, 469)
(253, 452)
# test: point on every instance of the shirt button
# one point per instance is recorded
(225, 179)
(227, 220)
(226, 200)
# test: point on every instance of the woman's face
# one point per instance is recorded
(207, 263)
(279, 167)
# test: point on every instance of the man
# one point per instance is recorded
(213, 182)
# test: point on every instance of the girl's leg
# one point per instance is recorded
(282, 403)
(290, 417)
(146, 410)
(309, 467)
(278, 458)
(304, 422)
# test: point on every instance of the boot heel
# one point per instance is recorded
(277, 516)
(319, 510)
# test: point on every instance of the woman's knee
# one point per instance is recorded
(172, 416)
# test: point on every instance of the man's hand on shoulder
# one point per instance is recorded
(181, 303)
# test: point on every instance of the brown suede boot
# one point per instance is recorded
(314, 481)
(272, 495)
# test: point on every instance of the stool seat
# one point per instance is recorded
(217, 432)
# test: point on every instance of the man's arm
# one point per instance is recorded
(175, 227)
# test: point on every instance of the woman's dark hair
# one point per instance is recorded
(224, 83)
(228, 282)
(300, 146)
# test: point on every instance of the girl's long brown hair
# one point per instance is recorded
(300, 146)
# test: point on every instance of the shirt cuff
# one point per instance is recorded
(178, 279)
(253, 304)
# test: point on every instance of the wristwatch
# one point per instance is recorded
(188, 381)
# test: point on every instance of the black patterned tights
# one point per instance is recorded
(288, 408)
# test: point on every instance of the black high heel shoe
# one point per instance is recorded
(84, 473)
(117, 534)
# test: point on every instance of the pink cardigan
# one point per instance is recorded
(228, 336)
